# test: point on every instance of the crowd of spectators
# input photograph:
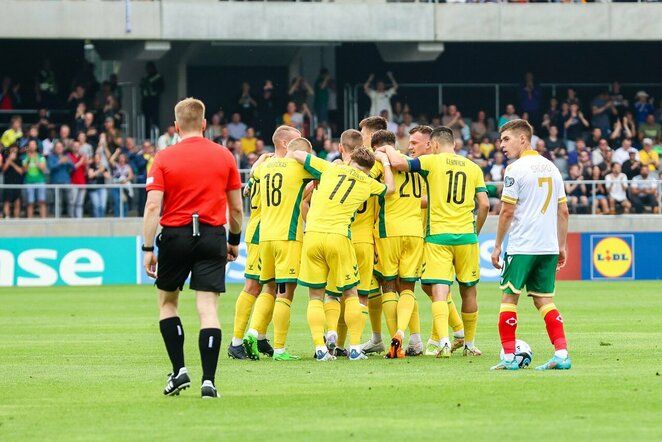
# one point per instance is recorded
(607, 138)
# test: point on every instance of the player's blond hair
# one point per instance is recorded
(350, 140)
(299, 143)
(373, 123)
(363, 157)
(284, 133)
(518, 126)
(189, 114)
(425, 130)
(382, 137)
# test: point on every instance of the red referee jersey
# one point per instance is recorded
(194, 175)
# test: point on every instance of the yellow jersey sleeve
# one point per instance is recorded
(377, 171)
(377, 188)
(316, 166)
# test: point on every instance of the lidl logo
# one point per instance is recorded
(613, 256)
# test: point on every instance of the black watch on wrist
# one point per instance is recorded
(147, 249)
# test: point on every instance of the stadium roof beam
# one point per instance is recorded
(410, 52)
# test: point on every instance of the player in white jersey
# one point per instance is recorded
(535, 210)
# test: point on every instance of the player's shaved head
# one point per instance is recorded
(299, 143)
(518, 127)
(363, 158)
(382, 137)
(350, 140)
(443, 136)
(190, 115)
(284, 134)
(373, 123)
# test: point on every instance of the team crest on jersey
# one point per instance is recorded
(509, 181)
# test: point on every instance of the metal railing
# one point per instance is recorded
(58, 195)
(428, 98)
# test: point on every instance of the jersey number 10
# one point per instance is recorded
(454, 185)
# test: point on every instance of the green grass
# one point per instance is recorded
(89, 364)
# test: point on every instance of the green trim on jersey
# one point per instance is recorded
(294, 221)
(452, 239)
(332, 293)
(382, 215)
(286, 281)
(424, 174)
(310, 169)
(254, 277)
(256, 235)
(481, 189)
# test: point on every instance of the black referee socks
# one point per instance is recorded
(210, 346)
(173, 336)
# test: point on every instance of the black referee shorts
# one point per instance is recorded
(204, 257)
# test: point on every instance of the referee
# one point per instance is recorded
(190, 186)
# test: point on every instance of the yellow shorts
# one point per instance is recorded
(365, 256)
(253, 263)
(328, 258)
(399, 257)
(441, 263)
(280, 261)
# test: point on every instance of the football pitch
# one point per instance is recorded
(88, 363)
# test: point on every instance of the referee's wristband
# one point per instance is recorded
(234, 238)
(147, 249)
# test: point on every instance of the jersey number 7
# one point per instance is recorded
(342, 179)
(546, 180)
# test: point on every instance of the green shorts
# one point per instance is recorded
(535, 272)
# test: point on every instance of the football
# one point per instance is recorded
(523, 354)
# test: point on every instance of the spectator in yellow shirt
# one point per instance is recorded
(248, 141)
(14, 133)
(648, 156)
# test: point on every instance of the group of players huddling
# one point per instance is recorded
(376, 222)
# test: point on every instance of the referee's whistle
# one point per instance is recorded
(196, 224)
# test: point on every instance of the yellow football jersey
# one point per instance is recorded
(362, 227)
(282, 182)
(399, 214)
(341, 193)
(252, 235)
(452, 182)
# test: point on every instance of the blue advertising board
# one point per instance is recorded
(42, 262)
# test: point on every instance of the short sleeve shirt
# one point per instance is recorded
(194, 176)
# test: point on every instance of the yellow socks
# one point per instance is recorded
(375, 312)
(353, 319)
(453, 317)
(364, 317)
(415, 321)
(390, 308)
(242, 311)
(342, 327)
(262, 313)
(332, 313)
(440, 319)
(282, 311)
(316, 319)
(470, 321)
(404, 309)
